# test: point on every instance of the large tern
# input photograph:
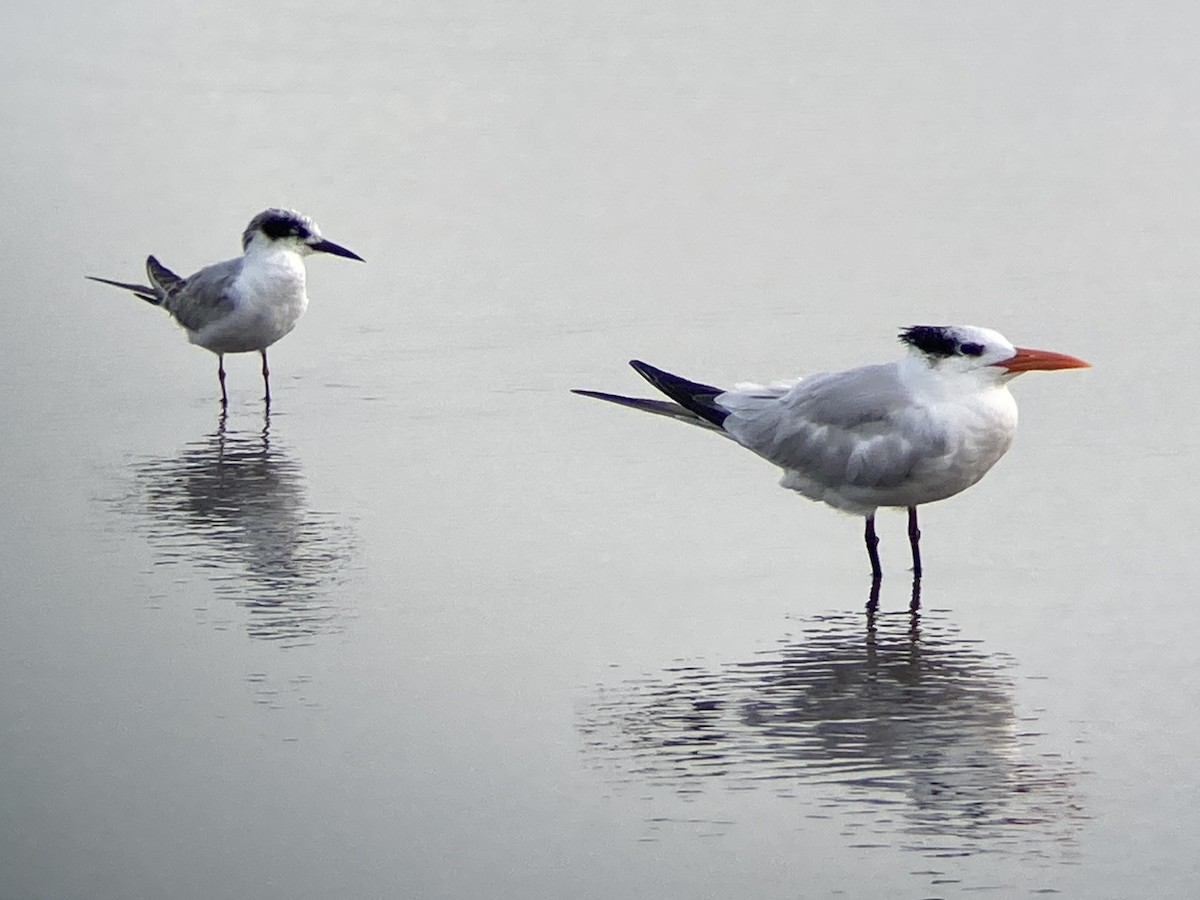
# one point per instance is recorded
(901, 434)
(244, 304)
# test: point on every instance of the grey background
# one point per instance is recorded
(446, 630)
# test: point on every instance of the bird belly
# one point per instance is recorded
(258, 321)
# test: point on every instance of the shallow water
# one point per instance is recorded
(902, 738)
(432, 626)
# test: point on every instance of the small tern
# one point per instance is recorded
(247, 303)
(901, 434)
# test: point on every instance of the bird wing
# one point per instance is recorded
(858, 428)
(205, 297)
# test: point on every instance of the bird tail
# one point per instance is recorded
(142, 291)
(656, 407)
(693, 402)
(162, 282)
(163, 279)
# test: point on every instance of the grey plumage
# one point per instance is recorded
(858, 430)
(200, 300)
(244, 304)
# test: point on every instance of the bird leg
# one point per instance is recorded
(221, 378)
(914, 610)
(266, 378)
(914, 538)
(873, 548)
(873, 603)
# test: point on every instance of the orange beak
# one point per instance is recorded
(1028, 360)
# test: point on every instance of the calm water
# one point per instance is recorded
(434, 627)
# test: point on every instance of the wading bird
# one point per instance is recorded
(900, 434)
(247, 303)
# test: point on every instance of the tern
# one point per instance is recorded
(244, 304)
(900, 434)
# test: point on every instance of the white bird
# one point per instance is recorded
(247, 303)
(900, 434)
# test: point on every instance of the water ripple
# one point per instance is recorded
(233, 507)
(881, 722)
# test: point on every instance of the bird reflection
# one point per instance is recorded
(234, 505)
(914, 606)
(907, 732)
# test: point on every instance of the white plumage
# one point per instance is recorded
(901, 434)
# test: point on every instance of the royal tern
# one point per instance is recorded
(246, 303)
(899, 434)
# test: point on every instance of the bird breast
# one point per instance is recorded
(975, 432)
(270, 297)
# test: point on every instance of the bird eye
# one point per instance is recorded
(971, 349)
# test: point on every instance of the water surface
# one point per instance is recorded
(434, 627)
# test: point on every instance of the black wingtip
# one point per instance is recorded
(693, 396)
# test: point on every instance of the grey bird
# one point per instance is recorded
(244, 304)
(901, 434)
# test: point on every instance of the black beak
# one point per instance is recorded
(324, 246)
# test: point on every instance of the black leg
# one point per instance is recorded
(914, 538)
(221, 378)
(873, 602)
(914, 610)
(266, 378)
(873, 547)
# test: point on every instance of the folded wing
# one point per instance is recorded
(855, 429)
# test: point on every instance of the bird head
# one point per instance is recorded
(967, 348)
(289, 230)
